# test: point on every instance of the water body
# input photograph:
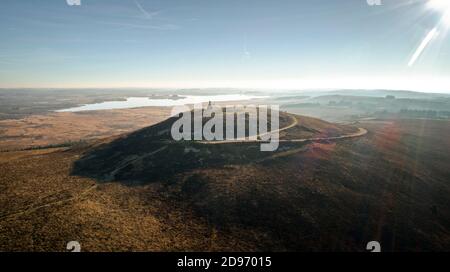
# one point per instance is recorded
(137, 102)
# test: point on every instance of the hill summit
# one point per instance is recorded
(150, 154)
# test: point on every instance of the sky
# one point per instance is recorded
(278, 44)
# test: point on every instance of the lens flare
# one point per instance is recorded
(432, 34)
(442, 6)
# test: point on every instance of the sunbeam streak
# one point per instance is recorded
(430, 36)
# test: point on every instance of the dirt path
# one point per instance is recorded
(243, 140)
(294, 123)
(361, 132)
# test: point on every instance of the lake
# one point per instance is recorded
(137, 102)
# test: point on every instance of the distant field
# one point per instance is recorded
(20, 103)
(28, 118)
(59, 128)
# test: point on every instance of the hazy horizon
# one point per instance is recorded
(234, 89)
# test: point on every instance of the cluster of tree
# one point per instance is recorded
(424, 113)
(340, 103)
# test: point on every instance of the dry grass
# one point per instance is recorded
(57, 128)
(391, 186)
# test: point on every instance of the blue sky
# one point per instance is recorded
(233, 43)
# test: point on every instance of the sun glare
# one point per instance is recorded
(442, 6)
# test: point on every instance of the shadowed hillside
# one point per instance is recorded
(150, 153)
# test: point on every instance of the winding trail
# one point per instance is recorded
(359, 133)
